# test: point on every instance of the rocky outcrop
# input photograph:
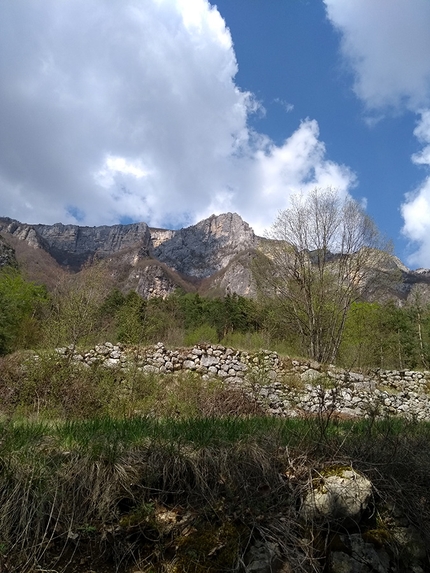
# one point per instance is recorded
(213, 256)
(236, 277)
(7, 254)
(281, 386)
(152, 280)
(185, 257)
(72, 246)
(203, 249)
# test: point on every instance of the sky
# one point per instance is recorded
(167, 111)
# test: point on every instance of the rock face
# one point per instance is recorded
(154, 262)
(205, 248)
(73, 246)
(214, 256)
(7, 255)
(152, 280)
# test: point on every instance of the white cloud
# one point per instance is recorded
(387, 45)
(115, 109)
(416, 208)
(263, 181)
(422, 133)
(288, 107)
(416, 214)
(298, 165)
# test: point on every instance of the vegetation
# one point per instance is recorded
(20, 306)
(190, 494)
(324, 252)
(131, 470)
(87, 310)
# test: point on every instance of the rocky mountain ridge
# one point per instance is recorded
(7, 254)
(153, 261)
(214, 255)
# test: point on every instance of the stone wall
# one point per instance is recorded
(285, 387)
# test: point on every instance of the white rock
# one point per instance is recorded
(149, 368)
(310, 374)
(344, 495)
(208, 361)
(189, 365)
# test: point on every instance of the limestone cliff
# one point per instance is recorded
(207, 247)
(7, 254)
(213, 256)
(154, 262)
(72, 246)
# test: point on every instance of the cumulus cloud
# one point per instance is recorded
(416, 208)
(118, 110)
(297, 166)
(387, 44)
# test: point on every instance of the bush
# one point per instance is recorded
(20, 303)
(204, 334)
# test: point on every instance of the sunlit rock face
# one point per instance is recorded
(207, 247)
(214, 254)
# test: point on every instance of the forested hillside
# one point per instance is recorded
(324, 285)
(86, 310)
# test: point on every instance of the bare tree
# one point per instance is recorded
(323, 253)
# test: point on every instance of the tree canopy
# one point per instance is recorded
(324, 252)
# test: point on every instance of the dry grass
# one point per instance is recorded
(130, 466)
(141, 484)
(49, 386)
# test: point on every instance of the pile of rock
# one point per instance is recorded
(284, 387)
(205, 359)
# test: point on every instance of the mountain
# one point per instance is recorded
(212, 257)
(7, 254)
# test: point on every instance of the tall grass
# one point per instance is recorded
(50, 387)
(61, 482)
(97, 458)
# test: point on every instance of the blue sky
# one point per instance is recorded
(167, 111)
(289, 56)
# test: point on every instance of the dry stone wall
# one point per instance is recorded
(284, 387)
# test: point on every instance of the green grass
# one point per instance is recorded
(79, 477)
(199, 432)
(95, 454)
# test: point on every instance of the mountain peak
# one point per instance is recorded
(169, 258)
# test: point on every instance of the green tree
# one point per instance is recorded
(130, 319)
(369, 336)
(418, 313)
(75, 313)
(323, 253)
(20, 301)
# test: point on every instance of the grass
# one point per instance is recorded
(53, 388)
(101, 460)
(65, 481)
